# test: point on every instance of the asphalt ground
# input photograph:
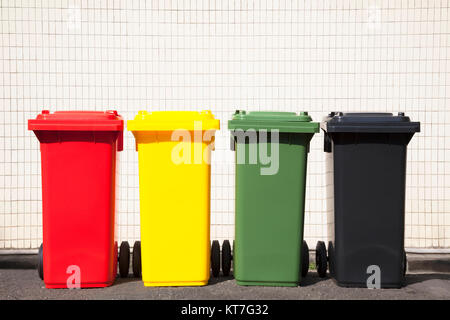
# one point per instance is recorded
(19, 280)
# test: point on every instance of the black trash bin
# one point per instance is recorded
(366, 167)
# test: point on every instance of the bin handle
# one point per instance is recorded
(327, 143)
(120, 141)
(232, 141)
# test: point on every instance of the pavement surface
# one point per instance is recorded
(19, 280)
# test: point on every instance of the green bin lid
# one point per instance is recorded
(268, 120)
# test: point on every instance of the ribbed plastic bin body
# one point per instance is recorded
(270, 206)
(79, 160)
(174, 195)
(368, 168)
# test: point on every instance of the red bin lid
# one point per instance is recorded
(77, 121)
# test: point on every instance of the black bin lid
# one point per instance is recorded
(369, 122)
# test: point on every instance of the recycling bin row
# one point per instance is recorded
(366, 162)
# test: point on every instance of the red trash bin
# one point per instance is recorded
(79, 162)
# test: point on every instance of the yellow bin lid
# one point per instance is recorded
(173, 120)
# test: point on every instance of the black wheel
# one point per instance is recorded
(327, 143)
(215, 258)
(137, 269)
(124, 259)
(234, 250)
(305, 259)
(331, 258)
(40, 265)
(232, 255)
(226, 258)
(321, 259)
(405, 263)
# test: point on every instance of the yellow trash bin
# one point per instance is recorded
(174, 149)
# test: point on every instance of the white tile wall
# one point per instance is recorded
(322, 55)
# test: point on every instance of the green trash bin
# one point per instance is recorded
(271, 155)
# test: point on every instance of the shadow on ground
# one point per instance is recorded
(30, 262)
(312, 279)
(130, 279)
(18, 261)
(421, 277)
(212, 280)
(219, 279)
